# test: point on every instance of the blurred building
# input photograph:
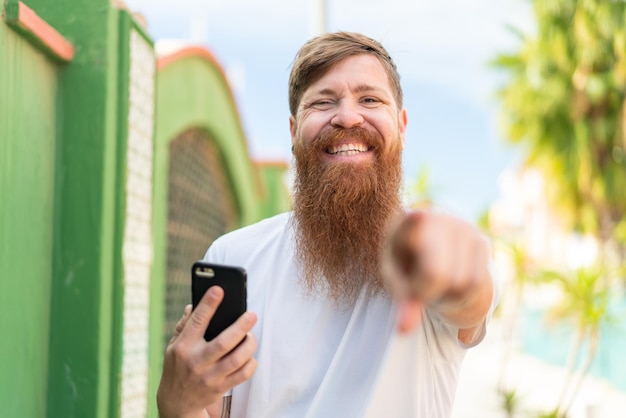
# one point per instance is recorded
(522, 214)
(118, 168)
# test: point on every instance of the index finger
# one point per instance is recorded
(409, 315)
(202, 314)
(402, 259)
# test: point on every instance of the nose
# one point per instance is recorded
(347, 116)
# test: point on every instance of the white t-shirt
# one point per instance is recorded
(317, 360)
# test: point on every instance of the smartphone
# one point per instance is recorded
(232, 280)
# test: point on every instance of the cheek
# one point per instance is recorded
(389, 129)
(309, 130)
(382, 121)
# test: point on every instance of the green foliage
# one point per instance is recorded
(585, 304)
(564, 102)
(509, 401)
(483, 222)
(619, 233)
(585, 300)
(550, 414)
(422, 195)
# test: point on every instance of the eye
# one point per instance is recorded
(370, 100)
(322, 104)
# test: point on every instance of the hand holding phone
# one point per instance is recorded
(195, 373)
(232, 280)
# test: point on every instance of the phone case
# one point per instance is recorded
(230, 278)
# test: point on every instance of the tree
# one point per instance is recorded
(565, 103)
(585, 303)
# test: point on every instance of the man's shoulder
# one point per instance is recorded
(243, 242)
(275, 224)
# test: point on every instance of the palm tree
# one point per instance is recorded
(585, 304)
(522, 267)
(565, 103)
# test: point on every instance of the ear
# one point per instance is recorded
(402, 122)
(292, 129)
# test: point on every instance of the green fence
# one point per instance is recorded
(88, 128)
(29, 93)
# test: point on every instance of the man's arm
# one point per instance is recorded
(442, 263)
(215, 410)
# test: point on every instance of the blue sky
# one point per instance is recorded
(441, 48)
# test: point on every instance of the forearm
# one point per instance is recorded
(467, 310)
(215, 410)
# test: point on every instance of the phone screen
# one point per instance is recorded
(232, 280)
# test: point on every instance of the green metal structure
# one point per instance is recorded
(87, 127)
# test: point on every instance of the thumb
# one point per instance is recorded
(181, 324)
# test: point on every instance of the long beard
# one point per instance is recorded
(342, 211)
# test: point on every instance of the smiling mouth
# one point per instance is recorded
(347, 149)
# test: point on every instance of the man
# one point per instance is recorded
(326, 335)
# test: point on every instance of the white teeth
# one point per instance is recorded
(347, 149)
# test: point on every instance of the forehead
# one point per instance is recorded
(363, 71)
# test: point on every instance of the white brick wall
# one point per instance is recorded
(137, 248)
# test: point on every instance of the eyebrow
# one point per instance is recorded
(365, 88)
(361, 88)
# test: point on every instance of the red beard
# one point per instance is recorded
(342, 211)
